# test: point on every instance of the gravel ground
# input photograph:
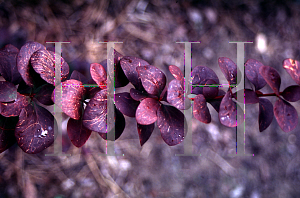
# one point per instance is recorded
(150, 30)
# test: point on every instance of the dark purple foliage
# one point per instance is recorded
(252, 72)
(265, 114)
(286, 115)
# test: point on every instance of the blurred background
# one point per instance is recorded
(149, 29)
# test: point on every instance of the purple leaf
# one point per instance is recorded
(43, 62)
(175, 94)
(292, 93)
(98, 74)
(200, 75)
(35, 129)
(229, 69)
(230, 114)
(8, 64)
(265, 114)
(146, 111)
(126, 104)
(272, 77)
(138, 95)
(94, 117)
(200, 110)
(286, 115)
(77, 133)
(91, 91)
(215, 103)
(76, 75)
(252, 72)
(129, 65)
(249, 96)
(293, 69)
(210, 92)
(8, 91)
(153, 79)
(43, 94)
(23, 59)
(119, 127)
(176, 72)
(170, 121)
(72, 95)
(145, 132)
(7, 136)
(14, 108)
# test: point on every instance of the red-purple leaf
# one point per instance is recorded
(98, 73)
(175, 94)
(14, 108)
(249, 96)
(176, 72)
(138, 95)
(146, 111)
(293, 69)
(210, 92)
(23, 60)
(35, 129)
(43, 94)
(292, 93)
(8, 64)
(170, 121)
(126, 104)
(77, 133)
(76, 75)
(252, 72)
(200, 75)
(7, 135)
(272, 77)
(129, 65)
(43, 62)
(286, 115)
(215, 103)
(72, 95)
(153, 79)
(94, 117)
(8, 91)
(200, 110)
(145, 132)
(119, 127)
(265, 114)
(230, 114)
(229, 69)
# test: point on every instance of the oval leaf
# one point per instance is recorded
(8, 91)
(43, 94)
(23, 60)
(137, 95)
(286, 115)
(176, 72)
(129, 64)
(43, 62)
(272, 77)
(7, 128)
(146, 111)
(76, 75)
(210, 92)
(200, 75)
(94, 117)
(8, 64)
(265, 114)
(252, 72)
(14, 108)
(35, 129)
(200, 110)
(98, 73)
(292, 93)
(71, 99)
(170, 122)
(153, 79)
(249, 96)
(126, 104)
(77, 133)
(293, 69)
(145, 132)
(229, 69)
(175, 94)
(119, 127)
(229, 111)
